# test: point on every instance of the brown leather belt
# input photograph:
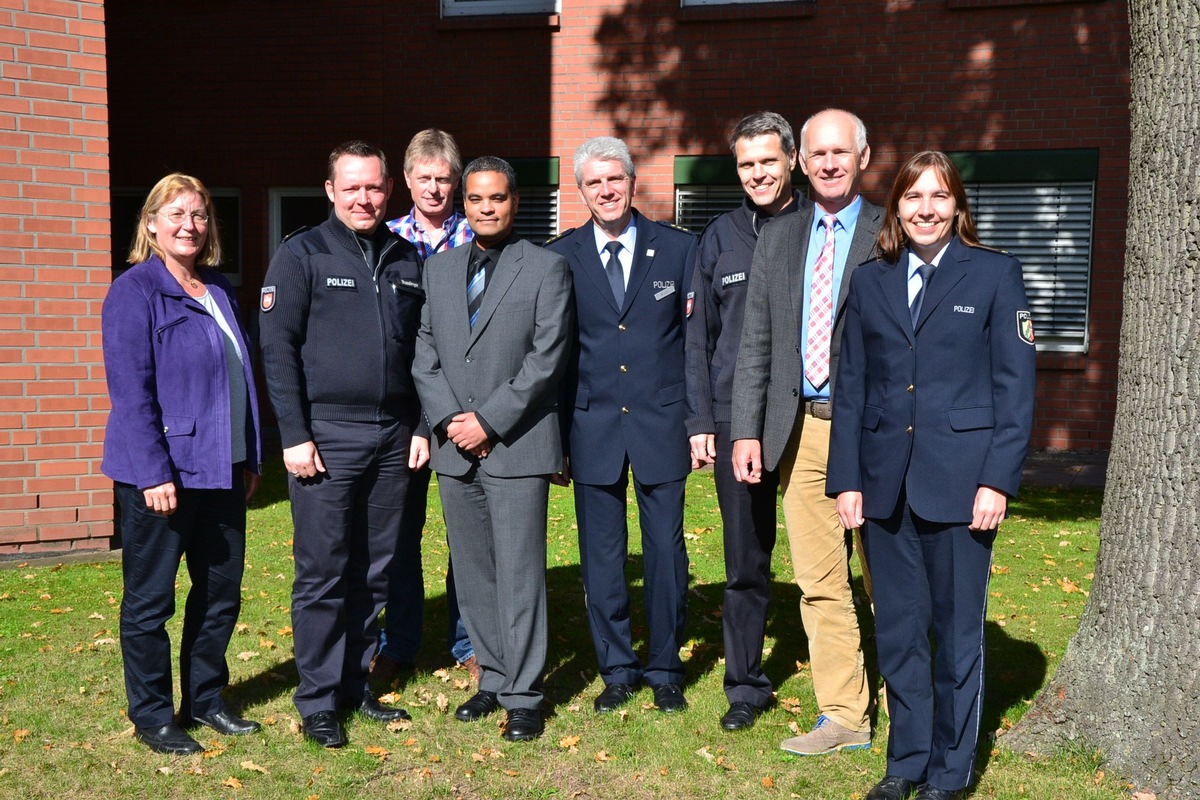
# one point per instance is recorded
(821, 409)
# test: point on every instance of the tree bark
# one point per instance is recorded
(1129, 681)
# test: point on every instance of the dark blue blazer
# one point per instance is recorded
(943, 409)
(626, 378)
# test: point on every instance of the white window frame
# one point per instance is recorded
(471, 8)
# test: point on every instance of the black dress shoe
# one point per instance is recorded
(669, 698)
(170, 740)
(480, 705)
(371, 708)
(613, 697)
(740, 716)
(927, 792)
(324, 729)
(523, 724)
(226, 723)
(893, 787)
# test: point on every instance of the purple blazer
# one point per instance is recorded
(164, 357)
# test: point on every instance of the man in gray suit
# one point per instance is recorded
(491, 352)
(781, 410)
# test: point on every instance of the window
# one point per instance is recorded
(127, 204)
(705, 186)
(463, 8)
(292, 209)
(1038, 205)
(737, 2)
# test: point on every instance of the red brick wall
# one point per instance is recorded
(275, 89)
(54, 270)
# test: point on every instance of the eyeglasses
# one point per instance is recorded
(176, 217)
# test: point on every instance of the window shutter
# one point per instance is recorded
(696, 204)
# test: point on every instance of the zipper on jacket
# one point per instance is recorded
(159, 331)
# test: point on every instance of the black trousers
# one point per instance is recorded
(748, 517)
(347, 525)
(209, 527)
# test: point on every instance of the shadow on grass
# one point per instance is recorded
(1057, 504)
(1014, 671)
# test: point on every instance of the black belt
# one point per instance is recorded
(821, 409)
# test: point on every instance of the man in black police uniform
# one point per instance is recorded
(339, 315)
(765, 150)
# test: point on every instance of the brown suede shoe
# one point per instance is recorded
(472, 665)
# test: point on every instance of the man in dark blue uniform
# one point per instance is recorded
(765, 150)
(626, 411)
(339, 316)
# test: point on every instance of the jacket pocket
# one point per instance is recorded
(581, 397)
(404, 311)
(969, 419)
(671, 394)
(158, 332)
(180, 433)
(871, 416)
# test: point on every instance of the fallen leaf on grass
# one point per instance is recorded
(512, 773)
(664, 771)
(603, 756)
(1068, 585)
(435, 759)
(251, 766)
(1144, 796)
(390, 698)
(703, 751)
(20, 734)
(443, 702)
(1099, 776)
(768, 782)
(379, 752)
(442, 674)
(793, 727)
(163, 770)
(409, 742)
(232, 782)
(790, 704)
(568, 742)
(214, 751)
(396, 726)
(247, 655)
(93, 615)
(478, 758)
(102, 642)
(462, 685)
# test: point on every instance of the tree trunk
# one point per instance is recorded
(1129, 681)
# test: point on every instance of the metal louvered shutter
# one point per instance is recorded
(537, 213)
(696, 204)
(1048, 227)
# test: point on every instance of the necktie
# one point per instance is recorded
(476, 284)
(926, 273)
(616, 276)
(368, 247)
(820, 312)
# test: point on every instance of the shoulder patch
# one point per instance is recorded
(1025, 326)
(554, 239)
(266, 298)
(679, 228)
(691, 304)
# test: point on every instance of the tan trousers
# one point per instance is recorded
(819, 558)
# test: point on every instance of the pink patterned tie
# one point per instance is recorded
(820, 312)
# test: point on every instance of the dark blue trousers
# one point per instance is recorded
(603, 549)
(748, 519)
(930, 577)
(347, 524)
(209, 528)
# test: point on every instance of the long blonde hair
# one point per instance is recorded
(164, 192)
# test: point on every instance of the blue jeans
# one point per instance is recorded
(401, 636)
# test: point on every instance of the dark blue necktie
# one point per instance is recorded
(926, 273)
(616, 277)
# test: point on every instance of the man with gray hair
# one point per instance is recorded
(765, 152)
(626, 411)
(781, 407)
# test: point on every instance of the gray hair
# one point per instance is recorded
(761, 124)
(603, 148)
(430, 145)
(491, 164)
(860, 131)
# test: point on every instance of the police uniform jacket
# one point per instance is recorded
(717, 306)
(944, 408)
(626, 376)
(338, 337)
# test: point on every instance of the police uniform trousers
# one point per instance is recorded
(821, 565)
(209, 527)
(930, 576)
(748, 519)
(347, 524)
(601, 511)
(496, 528)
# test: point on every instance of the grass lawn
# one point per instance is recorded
(63, 733)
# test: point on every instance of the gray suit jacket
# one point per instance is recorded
(508, 368)
(767, 381)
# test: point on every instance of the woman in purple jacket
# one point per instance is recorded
(182, 447)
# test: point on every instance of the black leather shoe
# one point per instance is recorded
(480, 705)
(226, 723)
(740, 716)
(893, 787)
(324, 729)
(669, 698)
(371, 708)
(170, 740)
(927, 792)
(613, 697)
(523, 724)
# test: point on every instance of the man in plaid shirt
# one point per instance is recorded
(432, 169)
